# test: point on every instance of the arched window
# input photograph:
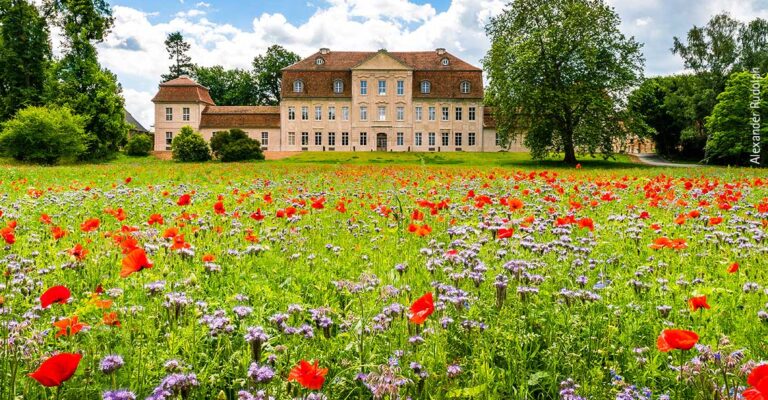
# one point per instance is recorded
(338, 86)
(445, 62)
(465, 87)
(319, 61)
(298, 86)
(426, 87)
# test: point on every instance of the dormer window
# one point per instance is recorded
(298, 86)
(445, 61)
(338, 86)
(465, 87)
(426, 87)
(319, 61)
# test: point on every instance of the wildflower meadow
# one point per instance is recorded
(278, 281)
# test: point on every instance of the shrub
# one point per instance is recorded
(235, 145)
(189, 146)
(139, 145)
(43, 135)
(241, 150)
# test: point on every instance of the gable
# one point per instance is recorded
(382, 61)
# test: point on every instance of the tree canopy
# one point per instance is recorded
(229, 87)
(562, 68)
(177, 49)
(267, 69)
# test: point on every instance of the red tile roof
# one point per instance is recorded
(417, 60)
(181, 90)
(489, 120)
(228, 117)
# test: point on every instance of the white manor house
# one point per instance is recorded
(348, 101)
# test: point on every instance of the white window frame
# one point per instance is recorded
(345, 138)
(445, 114)
(338, 86)
(457, 139)
(185, 114)
(363, 113)
(401, 88)
(465, 87)
(400, 113)
(331, 113)
(264, 139)
(168, 141)
(168, 113)
(305, 138)
(345, 113)
(291, 113)
(298, 86)
(417, 140)
(318, 113)
(426, 87)
(318, 138)
(305, 113)
(363, 138)
(445, 138)
(471, 139)
(459, 113)
(431, 140)
(292, 138)
(382, 111)
(400, 139)
(432, 113)
(419, 112)
(382, 87)
(363, 87)
(472, 113)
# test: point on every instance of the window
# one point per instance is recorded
(265, 138)
(400, 138)
(363, 88)
(472, 114)
(431, 138)
(168, 140)
(446, 113)
(471, 141)
(291, 113)
(382, 113)
(418, 113)
(457, 139)
(169, 114)
(292, 138)
(345, 113)
(304, 113)
(363, 139)
(363, 113)
(318, 113)
(382, 87)
(446, 138)
(305, 138)
(498, 139)
(298, 86)
(465, 87)
(338, 86)
(445, 62)
(400, 88)
(318, 138)
(432, 113)
(417, 139)
(458, 113)
(185, 114)
(345, 138)
(400, 113)
(331, 138)
(331, 113)
(426, 87)
(319, 61)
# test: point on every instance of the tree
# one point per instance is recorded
(25, 55)
(43, 135)
(79, 81)
(139, 145)
(754, 46)
(712, 49)
(177, 52)
(268, 68)
(736, 122)
(235, 145)
(228, 87)
(189, 146)
(561, 68)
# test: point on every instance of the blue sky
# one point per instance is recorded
(231, 33)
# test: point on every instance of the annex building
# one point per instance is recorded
(348, 101)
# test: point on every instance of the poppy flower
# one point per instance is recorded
(733, 268)
(218, 208)
(586, 223)
(45, 218)
(422, 308)
(676, 339)
(515, 204)
(257, 216)
(505, 233)
(170, 232)
(698, 302)
(134, 261)
(155, 219)
(90, 225)
(78, 252)
(209, 258)
(184, 200)
(57, 232)
(57, 369)
(309, 376)
(110, 319)
(56, 294)
(715, 220)
(8, 236)
(68, 326)
(758, 380)
(179, 243)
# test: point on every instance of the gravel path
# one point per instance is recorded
(656, 161)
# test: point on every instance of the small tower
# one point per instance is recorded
(178, 102)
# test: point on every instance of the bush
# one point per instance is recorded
(43, 135)
(241, 150)
(235, 145)
(139, 145)
(189, 146)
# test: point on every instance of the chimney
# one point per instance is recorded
(440, 51)
(325, 50)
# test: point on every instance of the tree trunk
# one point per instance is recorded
(570, 152)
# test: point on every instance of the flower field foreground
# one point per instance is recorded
(320, 282)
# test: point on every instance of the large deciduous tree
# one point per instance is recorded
(229, 87)
(562, 68)
(177, 49)
(267, 69)
(25, 55)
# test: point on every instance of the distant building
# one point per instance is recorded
(348, 101)
(134, 125)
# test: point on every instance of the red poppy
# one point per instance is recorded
(209, 258)
(733, 268)
(57, 232)
(676, 339)
(171, 232)
(8, 235)
(318, 204)
(179, 243)
(56, 294)
(45, 218)
(310, 376)
(78, 252)
(257, 216)
(134, 261)
(758, 380)
(505, 233)
(715, 220)
(218, 208)
(698, 302)
(111, 319)
(155, 219)
(422, 230)
(184, 200)
(515, 204)
(68, 326)
(90, 225)
(128, 179)
(417, 215)
(57, 369)
(422, 309)
(586, 223)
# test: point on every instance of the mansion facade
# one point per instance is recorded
(348, 101)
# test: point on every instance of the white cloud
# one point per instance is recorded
(190, 13)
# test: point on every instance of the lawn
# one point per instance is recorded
(402, 275)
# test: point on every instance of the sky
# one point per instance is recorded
(232, 32)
